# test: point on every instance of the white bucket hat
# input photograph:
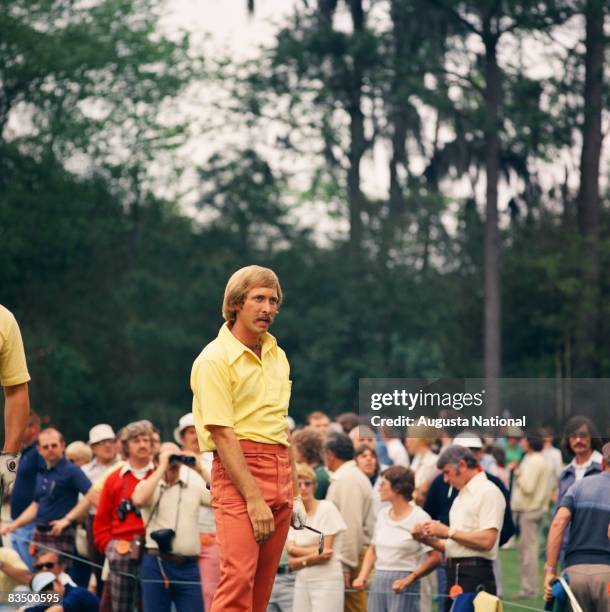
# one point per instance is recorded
(101, 432)
(186, 420)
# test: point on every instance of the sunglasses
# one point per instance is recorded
(39, 567)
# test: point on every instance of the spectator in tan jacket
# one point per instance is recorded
(350, 490)
(531, 497)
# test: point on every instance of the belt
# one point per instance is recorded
(468, 562)
(173, 558)
(283, 569)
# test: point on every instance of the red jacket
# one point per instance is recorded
(106, 524)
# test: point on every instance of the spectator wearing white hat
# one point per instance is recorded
(209, 562)
(102, 442)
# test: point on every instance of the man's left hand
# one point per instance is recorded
(8, 469)
(549, 578)
(436, 529)
(299, 516)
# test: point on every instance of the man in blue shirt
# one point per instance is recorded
(55, 494)
(586, 508)
(30, 465)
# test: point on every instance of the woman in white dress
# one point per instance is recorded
(319, 577)
(398, 559)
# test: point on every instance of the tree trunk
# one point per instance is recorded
(357, 140)
(588, 194)
(492, 317)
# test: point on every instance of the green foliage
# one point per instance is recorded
(118, 290)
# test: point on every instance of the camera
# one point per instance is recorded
(164, 539)
(186, 459)
(126, 506)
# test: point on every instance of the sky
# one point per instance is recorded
(224, 27)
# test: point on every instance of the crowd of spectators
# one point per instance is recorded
(408, 523)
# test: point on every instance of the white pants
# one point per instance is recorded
(318, 595)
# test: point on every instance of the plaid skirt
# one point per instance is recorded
(120, 590)
(44, 540)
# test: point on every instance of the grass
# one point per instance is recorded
(510, 582)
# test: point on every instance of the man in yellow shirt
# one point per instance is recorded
(14, 379)
(241, 390)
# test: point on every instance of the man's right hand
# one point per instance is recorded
(6, 529)
(261, 518)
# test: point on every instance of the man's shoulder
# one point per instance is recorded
(352, 474)
(596, 485)
(214, 351)
(485, 486)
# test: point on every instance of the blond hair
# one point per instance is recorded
(304, 471)
(241, 282)
(80, 451)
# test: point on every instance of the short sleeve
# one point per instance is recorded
(8, 555)
(331, 521)
(569, 499)
(13, 366)
(212, 387)
(80, 481)
(491, 514)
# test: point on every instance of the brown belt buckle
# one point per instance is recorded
(122, 546)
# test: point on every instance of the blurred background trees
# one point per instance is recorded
(483, 254)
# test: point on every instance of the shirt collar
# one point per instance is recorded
(475, 482)
(235, 348)
(127, 468)
(59, 464)
(596, 457)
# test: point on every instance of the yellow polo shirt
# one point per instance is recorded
(232, 387)
(13, 368)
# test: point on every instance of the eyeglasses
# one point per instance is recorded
(307, 483)
(39, 567)
(583, 435)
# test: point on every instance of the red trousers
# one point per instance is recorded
(248, 569)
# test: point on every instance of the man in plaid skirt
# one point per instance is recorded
(118, 526)
(55, 494)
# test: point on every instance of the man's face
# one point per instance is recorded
(580, 441)
(258, 310)
(320, 424)
(104, 451)
(329, 459)
(48, 562)
(189, 439)
(51, 447)
(139, 447)
(454, 475)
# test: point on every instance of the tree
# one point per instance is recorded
(588, 194)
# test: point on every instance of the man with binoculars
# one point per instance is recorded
(170, 499)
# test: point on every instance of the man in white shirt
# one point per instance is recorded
(470, 543)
